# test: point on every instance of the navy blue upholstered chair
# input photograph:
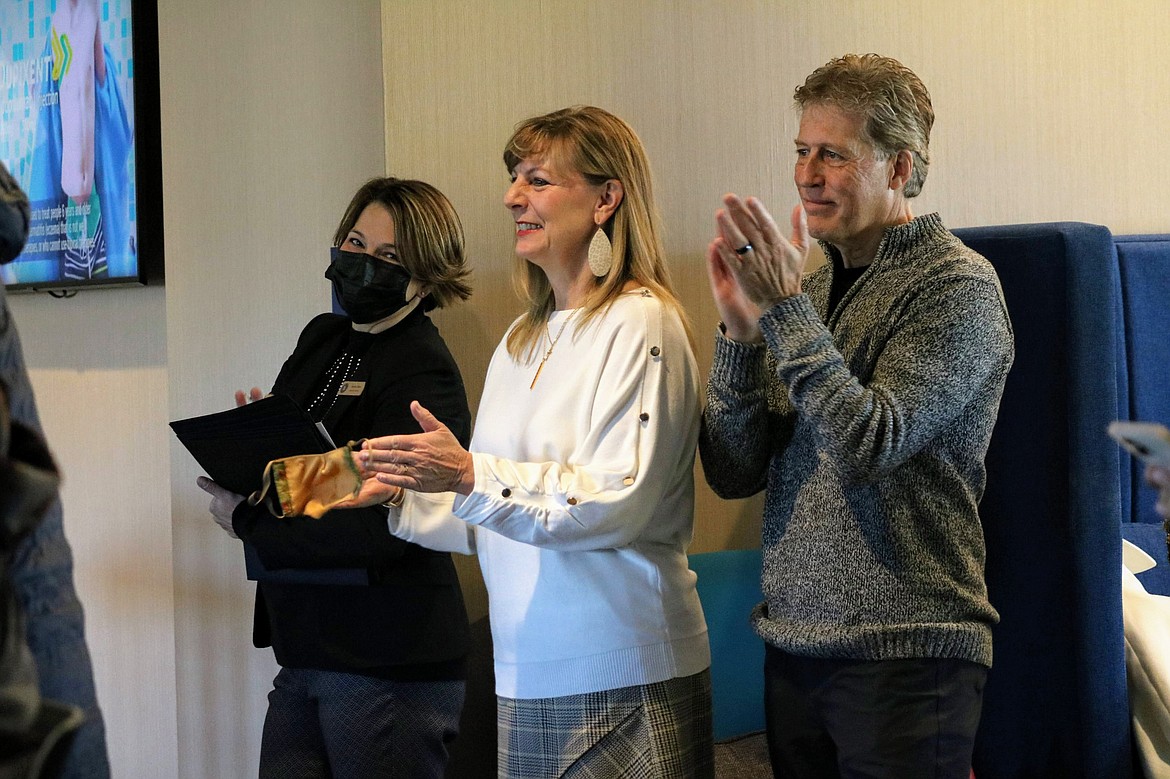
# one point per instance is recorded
(1057, 490)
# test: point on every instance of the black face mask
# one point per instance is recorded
(370, 289)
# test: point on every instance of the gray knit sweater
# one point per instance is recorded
(869, 434)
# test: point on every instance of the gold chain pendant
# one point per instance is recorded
(551, 345)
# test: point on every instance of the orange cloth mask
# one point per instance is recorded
(310, 484)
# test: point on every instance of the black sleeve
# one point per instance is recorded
(357, 538)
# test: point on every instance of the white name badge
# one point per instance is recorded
(351, 388)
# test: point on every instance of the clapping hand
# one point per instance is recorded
(751, 265)
(253, 395)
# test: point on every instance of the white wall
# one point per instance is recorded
(273, 112)
(271, 118)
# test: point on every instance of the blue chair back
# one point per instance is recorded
(1056, 702)
(729, 588)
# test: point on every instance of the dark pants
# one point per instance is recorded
(349, 726)
(901, 719)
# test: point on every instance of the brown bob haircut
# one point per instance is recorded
(427, 231)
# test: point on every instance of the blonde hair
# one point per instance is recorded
(888, 95)
(427, 232)
(600, 147)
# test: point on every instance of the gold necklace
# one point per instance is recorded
(552, 343)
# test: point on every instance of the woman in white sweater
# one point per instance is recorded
(577, 492)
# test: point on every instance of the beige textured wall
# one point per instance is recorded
(1046, 110)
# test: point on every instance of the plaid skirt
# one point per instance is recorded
(649, 731)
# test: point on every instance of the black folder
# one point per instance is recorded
(234, 446)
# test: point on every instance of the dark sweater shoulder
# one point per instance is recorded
(926, 247)
(913, 256)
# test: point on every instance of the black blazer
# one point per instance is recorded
(409, 622)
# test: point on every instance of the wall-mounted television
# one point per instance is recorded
(79, 129)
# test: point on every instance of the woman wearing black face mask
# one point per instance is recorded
(371, 679)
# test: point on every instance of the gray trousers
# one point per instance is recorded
(350, 726)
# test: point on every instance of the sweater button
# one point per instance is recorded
(572, 501)
(644, 417)
(655, 351)
(507, 493)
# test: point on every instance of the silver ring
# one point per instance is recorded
(741, 251)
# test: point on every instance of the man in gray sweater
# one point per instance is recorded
(862, 398)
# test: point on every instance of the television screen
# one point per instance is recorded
(79, 131)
